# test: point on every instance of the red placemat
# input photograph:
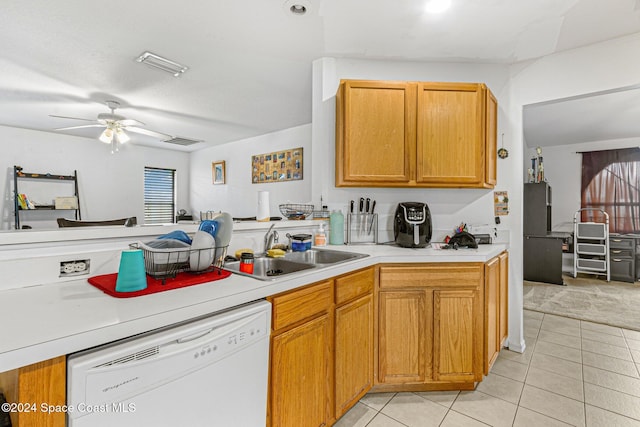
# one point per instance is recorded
(107, 282)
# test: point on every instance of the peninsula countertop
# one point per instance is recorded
(49, 320)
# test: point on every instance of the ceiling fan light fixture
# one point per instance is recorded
(161, 63)
(106, 136)
(123, 138)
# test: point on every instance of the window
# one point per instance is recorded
(611, 182)
(159, 195)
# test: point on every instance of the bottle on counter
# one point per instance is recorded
(246, 262)
(321, 236)
(336, 225)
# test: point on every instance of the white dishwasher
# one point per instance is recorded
(209, 372)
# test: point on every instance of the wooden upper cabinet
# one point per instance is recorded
(409, 134)
(375, 133)
(490, 137)
(450, 138)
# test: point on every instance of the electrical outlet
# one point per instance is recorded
(74, 268)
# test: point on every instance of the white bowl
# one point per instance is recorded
(202, 251)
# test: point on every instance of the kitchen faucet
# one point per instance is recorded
(270, 238)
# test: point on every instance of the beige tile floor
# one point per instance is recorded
(573, 373)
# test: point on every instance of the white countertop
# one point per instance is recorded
(45, 321)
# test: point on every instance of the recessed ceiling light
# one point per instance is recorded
(437, 6)
(298, 9)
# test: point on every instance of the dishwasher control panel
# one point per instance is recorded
(235, 339)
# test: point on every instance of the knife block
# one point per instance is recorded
(362, 229)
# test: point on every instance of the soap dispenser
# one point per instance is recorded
(321, 236)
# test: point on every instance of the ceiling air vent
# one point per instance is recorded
(178, 140)
(161, 63)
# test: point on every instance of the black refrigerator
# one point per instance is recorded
(542, 251)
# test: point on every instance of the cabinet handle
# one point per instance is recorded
(616, 260)
(616, 240)
(616, 252)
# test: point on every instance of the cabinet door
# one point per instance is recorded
(491, 312)
(457, 352)
(503, 323)
(353, 352)
(450, 135)
(403, 337)
(301, 375)
(375, 133)
(491, 134)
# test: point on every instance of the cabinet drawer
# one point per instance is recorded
(301, 304)
(621, 253)
(622, 269)
(353, 285)
(621, 243)
(431, 275)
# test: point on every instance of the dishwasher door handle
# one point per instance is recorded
(195, 336)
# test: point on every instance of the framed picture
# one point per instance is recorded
(280, 166)
(218, 171)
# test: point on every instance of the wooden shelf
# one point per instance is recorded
(49, 176)
(18, 175)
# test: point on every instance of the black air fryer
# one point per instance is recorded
(412, 225)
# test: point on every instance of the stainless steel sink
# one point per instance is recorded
(322, 256)
(269, 268)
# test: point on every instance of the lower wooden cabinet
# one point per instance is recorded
(321, 350)
(40, 383)
(354, 321)
(503, 325)
(430, 326)
(496, 302)
(300, 377)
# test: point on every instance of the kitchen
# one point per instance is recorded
(537, 81)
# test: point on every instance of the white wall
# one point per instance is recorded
(594, 68)
(563, 169)
(110, 185)
(239, 195)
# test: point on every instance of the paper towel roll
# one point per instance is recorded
(263, 206)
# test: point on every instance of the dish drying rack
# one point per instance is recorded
(591, 245)
(163, 263)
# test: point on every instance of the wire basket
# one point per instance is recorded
(166, 258)
(295, 211)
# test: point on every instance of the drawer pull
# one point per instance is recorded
(616, 240)
(616, 252)
(616, 260)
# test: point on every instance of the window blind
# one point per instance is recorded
(159, 195)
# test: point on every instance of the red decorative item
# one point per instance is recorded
(107, 282)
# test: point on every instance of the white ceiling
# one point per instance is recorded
(250, 61)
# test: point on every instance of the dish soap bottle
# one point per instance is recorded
(336, 232)
(321, 236)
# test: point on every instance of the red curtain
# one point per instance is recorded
(611, 182)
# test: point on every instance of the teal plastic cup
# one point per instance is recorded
(131, 274)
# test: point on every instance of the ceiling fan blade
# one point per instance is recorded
(80, 127)
(72, 118)
(130, 122)
(147, 132)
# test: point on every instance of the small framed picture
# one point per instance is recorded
(219, 172)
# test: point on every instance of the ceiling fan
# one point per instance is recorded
(114, 127)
